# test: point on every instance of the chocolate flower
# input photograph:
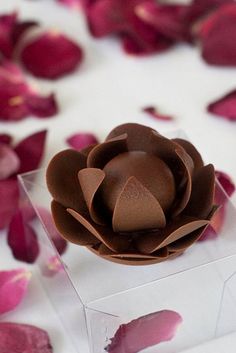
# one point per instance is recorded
(138, 198)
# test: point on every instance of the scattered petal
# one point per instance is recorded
(9, 162)
(81, 140)
(20, 30)
(17, 338)
(5, 139)
(30, 151)
(22, 239)
(7, 23)
(9, 192)
(13, 287)
(144, 332)
(52, 267)
(42, 107)
(224, 107)
(59, 242)
(73, 4)
(51, 55)
(218, 31)
(226, 182)
(153, 112)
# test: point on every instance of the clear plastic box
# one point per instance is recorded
(93, 297)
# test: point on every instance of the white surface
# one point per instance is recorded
(111, 88)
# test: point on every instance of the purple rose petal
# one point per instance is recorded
(9, 162)
(13, 287)
(16, 338)
(81, 140)
(145, 332)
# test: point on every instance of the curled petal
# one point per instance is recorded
(9, 162)
(182, 244)
(226, 182)
(42, 107)
(81, 140)
(23, 338)
(174, 231)
(70, 228)
(30, 151)
(192, 151)
(22, 239)
(101, 154)
(104, 234)
(13, 287)
(201, 199)
(153, 112)
(9, 192)
(145, 332)
(218, 31)
(145, 212)
(224, 107)
(51, 55)
(62, 178)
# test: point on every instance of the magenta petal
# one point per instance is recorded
(58, 241)
(30, 151)
(153, 112)
(42, 107)
(16, 338)
(52, 267)
(9, 192)
(225, 106)
(5, 139)
(20, 29)
(145, 332)
(13, 287)
(12, 102)
(73, 4)
(218, 31)
(22, 239)
(81, 140)
(9, 162)
(7, 23)
(226, 182)
(51, 55)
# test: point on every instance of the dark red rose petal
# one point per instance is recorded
(153, 112)
(15, 338)
(20, 29)
(30, 151)
(12, 103)
(145, 332)
(51, 55)
(218, 31)
(22, 239)
(226, 182)
(9, 192)
(81, 140)
(7, 23)
(42, 107)
(225, 107)
(6, 139)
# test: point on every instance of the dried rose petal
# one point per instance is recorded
(9, 192)
(51, 55)
(30, 151)
(9, 162)
(13, 287)
(153, 112)
(145, 332)
(225, 106)
(81, 140)
(168, 19)
(16, 338)
(52, 267)
(7, 23)
(73, 4)
(6, 139)
(18, 100)
(58, 241)
(218, 31)
(22, 239)
(226, 181)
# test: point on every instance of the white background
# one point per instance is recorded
(110, 88)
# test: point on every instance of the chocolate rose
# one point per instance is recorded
(138, 198)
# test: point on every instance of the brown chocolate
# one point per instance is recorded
(138, 198)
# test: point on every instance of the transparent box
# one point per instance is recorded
(93, 297)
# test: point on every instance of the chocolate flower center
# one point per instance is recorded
(151, 171)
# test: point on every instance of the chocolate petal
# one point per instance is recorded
(137, 209)
(192, 151)
(113, 241)
(137, 135)
(102, 153)
(90, 179)
(201, 199)
(105, 251)
(185, 242)
(62, 178)
(174, 231)
(69, 228)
